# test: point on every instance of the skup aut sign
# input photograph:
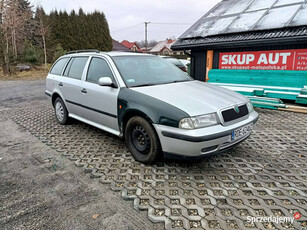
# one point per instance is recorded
(265, 60)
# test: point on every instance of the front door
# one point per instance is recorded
(100, 101)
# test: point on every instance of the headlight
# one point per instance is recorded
(186, 123)
(198, 121)
(250, 107)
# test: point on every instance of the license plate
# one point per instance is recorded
(241, 132)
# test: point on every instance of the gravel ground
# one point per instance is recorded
(41, 189)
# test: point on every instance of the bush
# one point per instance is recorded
(31, 54)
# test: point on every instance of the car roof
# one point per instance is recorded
(116, 53)
(112, 54)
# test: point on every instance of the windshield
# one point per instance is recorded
(148, 70)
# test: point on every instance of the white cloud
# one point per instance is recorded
(123, 15)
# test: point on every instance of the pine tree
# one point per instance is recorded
(25, 35)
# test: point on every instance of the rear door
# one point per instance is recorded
(70, 84)
(100, 101)
(55, 75)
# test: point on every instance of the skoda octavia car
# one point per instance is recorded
(148, 101)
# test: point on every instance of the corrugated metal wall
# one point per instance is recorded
(198, 65)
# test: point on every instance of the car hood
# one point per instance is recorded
(194, 97)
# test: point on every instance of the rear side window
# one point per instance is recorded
(174, 61)
(58, 66)
(98, 68)
(75, 67)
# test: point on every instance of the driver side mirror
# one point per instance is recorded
(106, 81)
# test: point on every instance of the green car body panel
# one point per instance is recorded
(159, 112)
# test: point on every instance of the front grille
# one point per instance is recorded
(231, 114)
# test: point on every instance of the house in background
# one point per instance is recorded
(163, 48)
(146, 50)
(119, 47)
(131, 45)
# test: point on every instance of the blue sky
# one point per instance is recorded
(126, 18)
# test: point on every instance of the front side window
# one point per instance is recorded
(58, 66)
(75, 67)
(98, 68)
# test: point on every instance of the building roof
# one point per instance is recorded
(233, 17)
(129, 44)
(118, 47)
(161, 45)
(248, 38)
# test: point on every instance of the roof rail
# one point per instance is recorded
(83, 51)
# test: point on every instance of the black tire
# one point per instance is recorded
(142, 140)
(58, 103)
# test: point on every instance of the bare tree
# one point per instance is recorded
(14, 15)
(4, 36)
(151, 43)
(43, 25)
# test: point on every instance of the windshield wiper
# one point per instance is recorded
(147, 84)
(176, 81)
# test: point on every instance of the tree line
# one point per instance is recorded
(29, 35)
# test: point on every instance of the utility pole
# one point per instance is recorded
(146, 23)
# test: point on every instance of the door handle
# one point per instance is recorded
(61, 84)
(83, 91)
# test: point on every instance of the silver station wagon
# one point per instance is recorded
(148, 101)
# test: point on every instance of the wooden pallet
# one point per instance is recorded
(293, 108)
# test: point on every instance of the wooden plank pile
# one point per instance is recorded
(265, 88)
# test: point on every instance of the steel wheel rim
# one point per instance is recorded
(59, 111)
(140, 139)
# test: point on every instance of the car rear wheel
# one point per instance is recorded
(142, 140)
(61, 112)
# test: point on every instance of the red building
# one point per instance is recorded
(131, 45)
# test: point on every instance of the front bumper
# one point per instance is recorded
(198, 142)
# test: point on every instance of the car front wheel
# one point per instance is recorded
(61, 112)
(142, 140)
